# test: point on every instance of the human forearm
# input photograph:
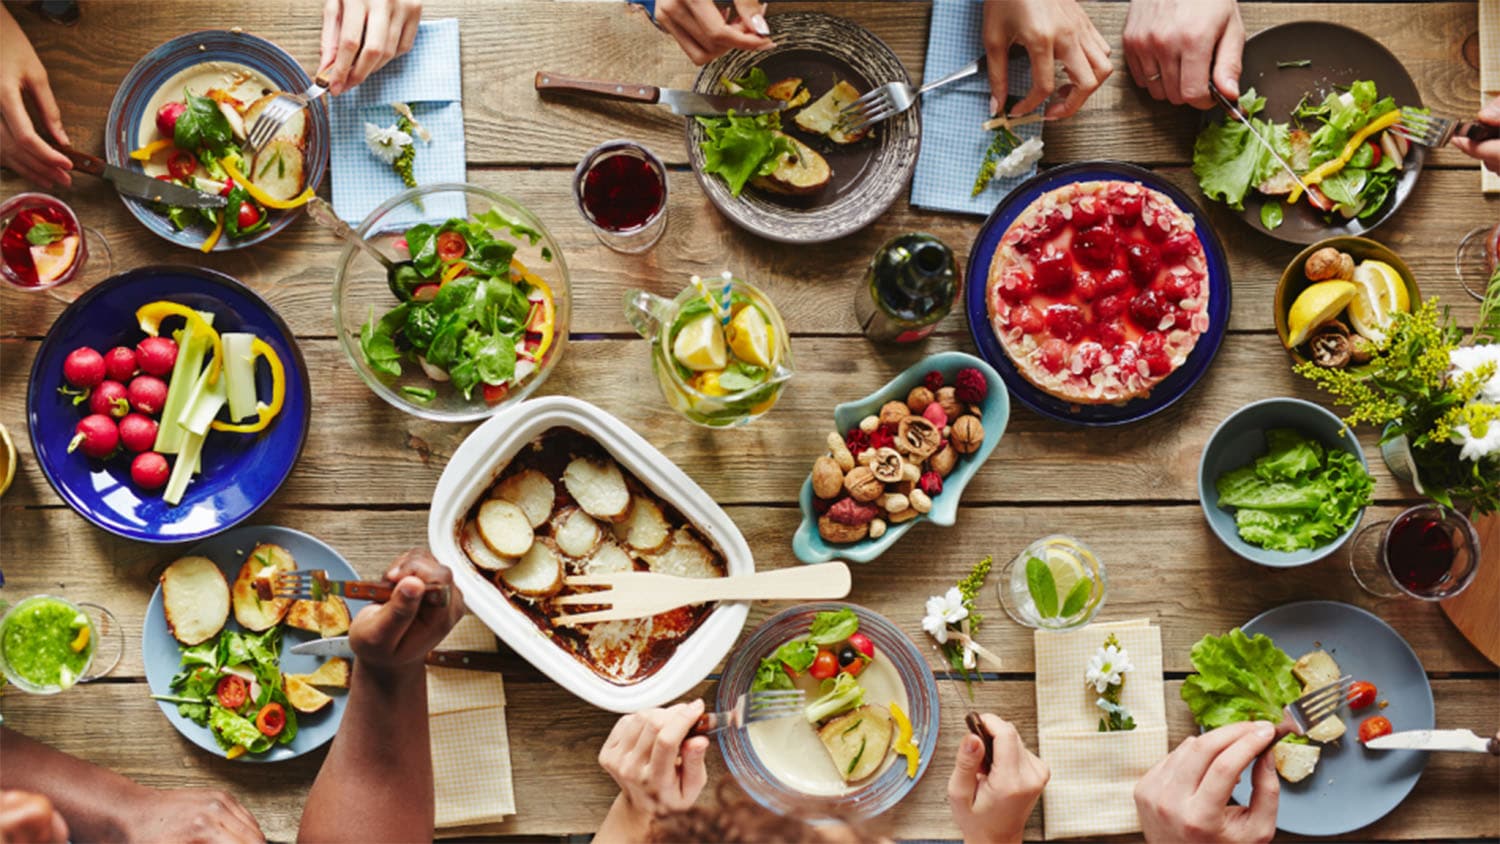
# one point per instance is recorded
(90, 798)
(624, 824)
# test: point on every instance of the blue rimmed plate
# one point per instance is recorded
(122, 127)
(1174, 386)
(240, 471)
(163, 654)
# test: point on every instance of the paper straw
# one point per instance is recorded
(709, 298)
(724, 298)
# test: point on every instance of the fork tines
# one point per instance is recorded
(1315, 706)
(1424, 129)
(875, 105)
(301, 585)
(272, 118)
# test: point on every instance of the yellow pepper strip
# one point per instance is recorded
(145, 152)
(452, 270)
(213, 236)
(903, 744)
(261, 196)
(261, 349)
(150, 316)
(81, 641)
(1333, 165)
(235, 752)
(549, 312)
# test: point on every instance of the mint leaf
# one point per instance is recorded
(42, 233)
(1077, 597)
(1042, 587)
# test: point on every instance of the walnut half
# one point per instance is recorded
(918, 438)
(887, 465)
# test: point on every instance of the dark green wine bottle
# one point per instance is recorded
(910, 286)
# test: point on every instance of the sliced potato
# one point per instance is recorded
(328, 617)
(293, 130)
(608, 558)
(333, 674)
(685, 556)
(1295, 762)
(538, 574)
(479, 553)
(1328, 729)
(822, 117)
(789, 90)
(645, 528)
(302, 696)
(279, 169)
(1315, 670)
(576, 532)
(195, 596)
(532, 492)
(262, 564)
(504, 528)
(598, 487)
(858, 741)
(798, 174)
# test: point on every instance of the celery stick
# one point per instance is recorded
(185, 372)
(203, 404)
(182, 471)
(239, 372)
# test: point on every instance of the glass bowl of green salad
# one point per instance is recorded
(458, 307)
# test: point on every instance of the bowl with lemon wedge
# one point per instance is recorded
(1336, 301)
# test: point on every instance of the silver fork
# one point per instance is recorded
(278, 111)
(315, 585)
(892, 98)
(749, 708)
(1307, 711)
(1432, 131)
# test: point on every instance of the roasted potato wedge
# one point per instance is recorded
(804, 172)
(263, 562)
(328, 617)
(195, 596)
(302, 696)
(858, 741)
(333, 674)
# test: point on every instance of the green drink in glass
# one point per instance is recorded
(47, 644)
(1056, 583)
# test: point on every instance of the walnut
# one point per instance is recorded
(887, 465)
(869, 423)
(841, 454)
(968, 435)
(904, 516)
(919, 501)
(841, 534)
(877, 529)
(827, 478)
(944, 461)
(892, 412)
(1329, 263)
(1330, 346)
(917, 438)
(918, 399)
(861, 483)
(1360, 349)
(894, 502)
(847, 511)
(976, 411)
(949, 402)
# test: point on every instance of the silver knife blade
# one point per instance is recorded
(332, 646)
(692, 103)
(1234, 111)
(141, 186)
(1431, 740)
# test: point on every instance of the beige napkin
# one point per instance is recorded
(470, 748)
(1489, 70)
(1093, 773)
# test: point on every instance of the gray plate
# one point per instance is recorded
(1352, 787)
(867, 176)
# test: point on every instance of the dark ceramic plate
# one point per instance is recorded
(1339, 56)
(867, 176)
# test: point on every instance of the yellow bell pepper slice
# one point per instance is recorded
(150, 316)
(213, 236)
(235, 752)
(549, 312)
(145, 152)
(903, 744)
(1333, 165)
(451, 271)
(261, 196)
(80, 641)
(265, 413)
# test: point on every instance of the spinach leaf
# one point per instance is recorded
(404, 280)
(421, 325)
(464, 376)
(377, 340)
(203, 127)
(421, 244)
(456, 296)
(491, 259)
(443, 351)
(494, 356)
(495, 219)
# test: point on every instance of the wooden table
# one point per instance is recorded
(366, 475)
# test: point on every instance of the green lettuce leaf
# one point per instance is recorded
(740, 148)
(1239, 678)
(1228, 161)
(832, 627)
(1298, 495)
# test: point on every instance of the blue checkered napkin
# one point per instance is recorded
(953, 143)
(429, 80)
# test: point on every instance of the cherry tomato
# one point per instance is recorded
(232, 691)
(228, 187)
(825, 665)
(1375, 152)
(1318, 199)
(1361, 694)
(425, 292)
(1374, 727)
(851, 661)
(495, 393)
(248, 215)
(451, 246)
(164, 178)
(271, 719)
(181, 164)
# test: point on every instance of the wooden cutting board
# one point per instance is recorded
(1476, 610)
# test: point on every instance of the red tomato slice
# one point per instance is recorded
(1374, 727)
(271, 720)
(495, 393)
(1319, 199)
(181, 164)
(825, 665)
(232, 691)
(451, 246)
(1361, 694)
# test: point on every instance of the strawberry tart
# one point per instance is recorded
(1098, 291)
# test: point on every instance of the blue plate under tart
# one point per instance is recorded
(1164, 394)
(240, 471)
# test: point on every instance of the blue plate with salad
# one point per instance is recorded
(1325, 96)
(192, 683)
(181, 114)
(237, 469)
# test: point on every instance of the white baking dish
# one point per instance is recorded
(473, 469)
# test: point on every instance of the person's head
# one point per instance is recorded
(732, 817)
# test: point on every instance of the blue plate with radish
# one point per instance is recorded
(167, 404)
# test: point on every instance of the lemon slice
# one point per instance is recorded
(708, 384)
(1066, 570)
(750, 337)
(699, 345)
(1381, 293)
(1316, 305)
(54, 259)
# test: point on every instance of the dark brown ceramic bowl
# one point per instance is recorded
(867, 175)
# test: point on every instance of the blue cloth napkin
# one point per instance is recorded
(953, 143)
(429, 79)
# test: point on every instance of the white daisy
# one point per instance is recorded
(1106, 666)
(943, 610)
(386, 143)
(1469, 358)
(1020, 159)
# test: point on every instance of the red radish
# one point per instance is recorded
(166, 117)
(148, 394)
(156, 355)
(119, 363)
(109, 399)
(96, 434)
(399, 244)
(860, 642)
(84, 367)
(138, 432)
(228, 187)
(149, 470)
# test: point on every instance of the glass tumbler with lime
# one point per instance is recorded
(1056, 583)
(48, 644)
(719, 350)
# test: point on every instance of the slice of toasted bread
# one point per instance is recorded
(539, 573)
(645, 528)
(822, 117)
(195, 597)
(302, 696)
(479, 553)
(685, 556)
(798, 174)
(532, 492)
(858, 741)
(789, 90)
(280, 169)
(608, 558)
(1316, 669)
(328, 617)
(598, 487)
(263, 563)
(333, 674)
(576, 532)
(504, 528)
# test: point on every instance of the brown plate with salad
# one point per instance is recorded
(812, 182)
(1312, 95)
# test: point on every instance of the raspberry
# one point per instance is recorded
(931, 483)
(857, 441)
(883, 437)
(847, 511)
(970, 386)
(933, 380)
(1144, 262)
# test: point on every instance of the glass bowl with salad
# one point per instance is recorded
(472, 313)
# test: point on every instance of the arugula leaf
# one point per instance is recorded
(832, 627)
(1239, 679)
(203, 127)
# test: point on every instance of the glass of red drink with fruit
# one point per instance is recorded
(42, 245)
(621, 190)
(1429, 552)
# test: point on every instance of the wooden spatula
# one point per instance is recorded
(640, 594)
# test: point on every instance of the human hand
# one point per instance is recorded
(1487, 152)
(27, 818)
(657, 771)
(704, 33)
(21, 148)
(1052, 31)
(1176, 48)
(1184, 797)
(360, 36)
(190, 816)
(993, 807)
(400, 632)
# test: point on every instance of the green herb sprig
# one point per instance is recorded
(968, 587)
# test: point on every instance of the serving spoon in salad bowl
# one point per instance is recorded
(396, 272)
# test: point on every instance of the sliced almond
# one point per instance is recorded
(479, 553)
(504, 528)
(598, 487)
(645, 528)
(576, 532)
(539, 573)
(532, 492)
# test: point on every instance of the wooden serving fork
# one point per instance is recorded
(640, 594)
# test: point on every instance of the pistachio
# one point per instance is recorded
(869, 423)
(919, 501)
(840, 451)
(918, 399)
(892, 412)
(894, 502)
(944, 461)
(827, 478)
(968, 435)
(917, 438)
(887, 465)
(877, 529)
(862, 484)
(842, 534)
(948, 401)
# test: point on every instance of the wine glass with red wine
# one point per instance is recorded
(1428, 552)
(621, 190)
(43, 247)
